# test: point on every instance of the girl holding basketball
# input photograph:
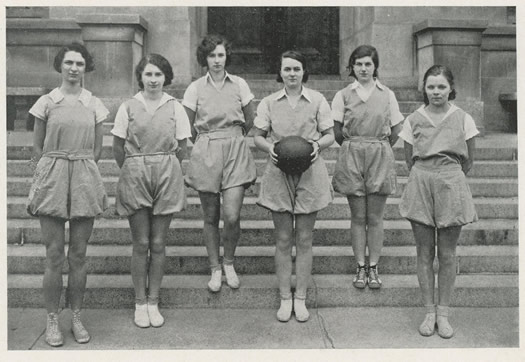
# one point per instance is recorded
(221, 114)
(439, 151)
(294, 200)
(367, 123)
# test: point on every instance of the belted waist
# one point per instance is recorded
(71, 155)
(222, 133)
(365, 139)
(152, 154)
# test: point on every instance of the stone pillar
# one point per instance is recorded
(498, 78)
(32, 45)
(456, 44)
(116, 42)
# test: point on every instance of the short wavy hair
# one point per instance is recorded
(436, 70)
(74, 47)
(296, 55)
(160, 62)
(361, 52)
(208, 44)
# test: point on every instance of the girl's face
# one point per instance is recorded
(153, 78)
(364, 69)
(437, 89)
(292, 72)
(217, 59)
(73, 67)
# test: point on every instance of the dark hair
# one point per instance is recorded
(74, 47)
(208, 44)
(436, 70)
(361, 52)
(293, 54)
(160, 62)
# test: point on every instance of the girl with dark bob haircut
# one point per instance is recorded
(208, 44)
(158, 61)
(67, 186)
(361, 52)
(74, 47)
(445, 72)
(292, 54)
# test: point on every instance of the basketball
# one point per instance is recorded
(293, 155)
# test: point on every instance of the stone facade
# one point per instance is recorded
(452, 33)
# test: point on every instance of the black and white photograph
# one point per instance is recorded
(252, 181)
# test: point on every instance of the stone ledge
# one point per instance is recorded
(41, 24)
(503, 30)
(444, 24)
(113, 19)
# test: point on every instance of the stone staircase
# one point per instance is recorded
(487, 262)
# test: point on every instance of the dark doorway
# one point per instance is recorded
(260, 34)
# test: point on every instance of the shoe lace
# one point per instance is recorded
(372, 273)
(53, 323)
(361, 272)
(76, 320)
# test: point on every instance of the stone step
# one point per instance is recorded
(261, 232)
(21, 150)
(261, 291)
(108, 167)
(480, 187)
(184, 260)
(487, 208)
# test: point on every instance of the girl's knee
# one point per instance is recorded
(141, 246)
(158, 246)
(55, 258)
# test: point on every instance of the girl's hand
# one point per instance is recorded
(317, 150)
(273, 155)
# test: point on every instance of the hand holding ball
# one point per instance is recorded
(294, 155)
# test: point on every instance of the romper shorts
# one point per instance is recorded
(221, 160)
(67, 185)
(297, 194)
(151, 181)
(365, 165)
(437, 196)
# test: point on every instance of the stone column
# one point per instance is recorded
(456, 44)
(116, 41)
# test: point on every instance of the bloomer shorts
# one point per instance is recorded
(297, 194)
(67, 188)
(151, 181)
(221, 160)
(365, 166)
(438, 196)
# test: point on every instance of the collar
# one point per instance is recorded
(226, 76)
(422, 111)
(84, 97)
(165, 98)
(356, 84)
(305, 92)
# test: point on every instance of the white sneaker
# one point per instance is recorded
(215, 282)
(156, 319)
(299, 307)
(285, 311)
(231, 276)
(141, 316)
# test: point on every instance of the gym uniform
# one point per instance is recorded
(366, 163)
(437, 192)
(67, 183)
(221, 158)
(151, 176)
(310, 191)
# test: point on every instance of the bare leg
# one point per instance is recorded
(358, 229)
(426, 251)
(159, 229)
(79, 234)
(375, 232)
(284, 236)
(53, 237)
(139, 224)
(304, 226)
(211, 208)
(447, 240)
(232, 204)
